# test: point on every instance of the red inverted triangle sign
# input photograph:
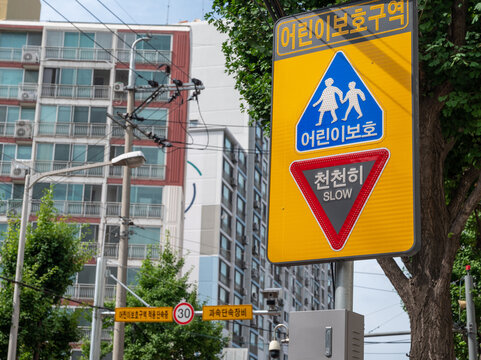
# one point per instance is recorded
(337, 188)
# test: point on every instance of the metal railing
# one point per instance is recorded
(7, 129)
(135, 251)
(29, 54)
(145, 56)
(106, 334)
(5, 167)
(10, 54)
(11, 207)
(49, 165)
(119, 132)
(84, 54)
(72, 129)
(87, 291)
(144, 171)
(77, 208)
(137, 210)
(76, 91)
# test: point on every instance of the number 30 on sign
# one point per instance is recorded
(183, 313)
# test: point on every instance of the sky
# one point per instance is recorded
(374, 296)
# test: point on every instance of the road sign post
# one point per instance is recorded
(344, 143)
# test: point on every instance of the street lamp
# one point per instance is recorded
(131, 159)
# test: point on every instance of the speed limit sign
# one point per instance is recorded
(183, 313)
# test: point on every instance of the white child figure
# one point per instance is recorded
(352, 95)
(328, 98)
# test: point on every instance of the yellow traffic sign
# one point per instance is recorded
(227, 312)
(144, 314)
(344, 141)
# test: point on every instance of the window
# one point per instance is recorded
(241, 183)
(11, 192)
(228, 170)
(75, 114)
(226, 196)
(157, 42)
(79, 46)
(228, 147)
(138, 194)
(224, 271)
(257, 178)
(11, 152)
(238, 280)
(226, 221)
(237, 300)
(239, 254)
(11, 76)
(225, 246)
(67, 154)
(239, 231)
(223, 296)
(242, 160)
(153, 155)
(241, 208)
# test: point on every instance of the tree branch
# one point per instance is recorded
(396, 277)
(467, 208)
(447, 148)
(460, 193)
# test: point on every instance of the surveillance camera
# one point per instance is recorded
(271, 295)
(274, 349)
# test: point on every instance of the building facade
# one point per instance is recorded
(58, 82)
(225, 239)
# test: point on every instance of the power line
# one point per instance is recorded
(90, 38)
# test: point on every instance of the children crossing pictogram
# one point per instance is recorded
(340, 91)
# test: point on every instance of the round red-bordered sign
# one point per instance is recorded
(183, 313)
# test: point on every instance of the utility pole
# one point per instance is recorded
(470, 316)
(344, 285)
(120, 294)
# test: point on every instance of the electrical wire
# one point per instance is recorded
(130, 28)
(90, 38)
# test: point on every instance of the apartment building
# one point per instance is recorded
(58, 81)
(225, 238)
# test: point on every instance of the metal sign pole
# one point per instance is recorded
(344, 285)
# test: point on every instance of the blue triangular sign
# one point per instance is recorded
(341, 111)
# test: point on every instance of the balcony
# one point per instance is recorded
(151, 56)
(144, 172)
(74, 208)
(135, 251)
(71, 129)
(79, 54)
(22, 92)
(93, 92)
(86, 291)
(27, 54)
(48, 165)
(5, 167)
(152, 211)
(11, 207)
(160, 131)
(7, 129)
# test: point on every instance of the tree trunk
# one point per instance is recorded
(425, 289)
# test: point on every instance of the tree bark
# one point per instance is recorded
(425, 290)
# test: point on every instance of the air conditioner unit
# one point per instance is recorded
(23, 129)
(27, 95)
(119, 87)
(18, 172)
(30, 56)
